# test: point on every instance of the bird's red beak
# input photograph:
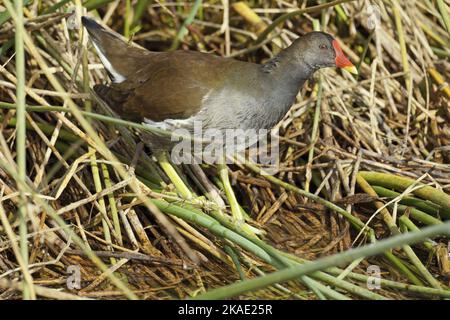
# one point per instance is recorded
(341, 60)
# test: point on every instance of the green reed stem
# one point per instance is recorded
(443, 10)
(292, 14)
(426, 206)
(401, 183)
(21, 133)
(324, 263)
(354, 220)
(184, 30)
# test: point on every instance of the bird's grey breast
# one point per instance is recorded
(258, 108)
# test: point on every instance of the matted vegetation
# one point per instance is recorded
(362, 159)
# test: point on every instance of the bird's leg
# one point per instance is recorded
(235, 207)
(212, 193)
(170, 171)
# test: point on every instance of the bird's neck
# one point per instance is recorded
(288, 71)
(286, 76)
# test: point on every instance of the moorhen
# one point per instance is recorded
(174, 89)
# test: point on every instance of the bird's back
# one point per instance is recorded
(173, 85)
(164, 85)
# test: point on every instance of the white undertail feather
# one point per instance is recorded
(116, 77)
(171, 124)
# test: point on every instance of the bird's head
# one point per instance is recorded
(321, 50)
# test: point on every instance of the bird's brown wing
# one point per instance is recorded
(169, 85)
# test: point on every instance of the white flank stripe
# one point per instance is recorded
(117, 77)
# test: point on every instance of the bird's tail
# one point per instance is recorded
(116, 55)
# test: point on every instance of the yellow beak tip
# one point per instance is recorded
(351, 69)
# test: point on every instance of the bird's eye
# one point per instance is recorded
(323, 47)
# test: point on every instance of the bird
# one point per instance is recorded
(176, 88)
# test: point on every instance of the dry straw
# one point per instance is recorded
(363, 161)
